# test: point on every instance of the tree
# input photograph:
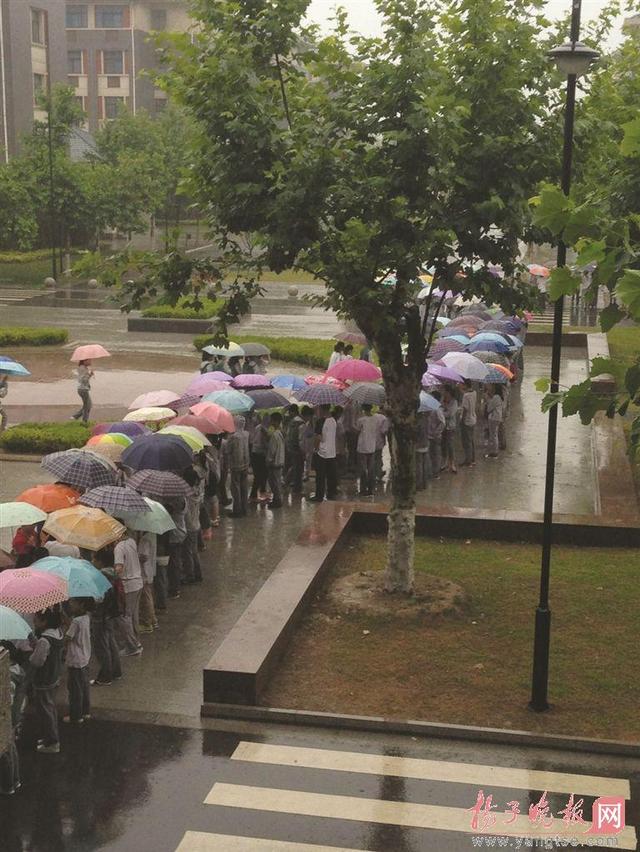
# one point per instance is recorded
(352, 158)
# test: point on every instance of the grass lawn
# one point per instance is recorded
(476, 669)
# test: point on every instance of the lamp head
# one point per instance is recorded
(573, 57)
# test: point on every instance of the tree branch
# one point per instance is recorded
(283, 91)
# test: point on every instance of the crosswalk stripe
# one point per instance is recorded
(432, 770)
(200, 841)
(406, 814)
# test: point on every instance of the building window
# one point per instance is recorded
(158, 19)
(112, 107)
(39, 86)
(113, 82)
(74, 62)
(112, 62)
(112, 17)
(77, 17)
(80, 103)
(38, 26)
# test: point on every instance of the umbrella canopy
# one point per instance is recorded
(541, 271)
(208, 383)
(320, 395)
(289, 381)
(109, 438)
(84, 526)
(508, 325)
(430, 382)
(10, 367)
(123, 428)
(250, 382)
(105, 461)
(82, 578)
(264, 398)
(488, 346)
(156, 519)
(186, 401)
(495, 376)
(110, 453)
(12, 626)
(89, 352)
(160, 484)
(355, 370)
(113, 499)
(18, 514)
(158, 452)
(50, 497)
(466, 365)
(232, 400)
(193, 437)
(491, 336)
(367, 393)
(232, 350)
(456, 332)
(255, 350)
(466, 319)
(447, 344)
(218, 415)
(27, 590)
(355, 337)
(154, 399)
(444, 373)
(428, 403)
(504, 370)
(201, 423)
(150, 415)
(490, 357)
(79, 469)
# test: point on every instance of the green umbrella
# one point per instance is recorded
(156, 520)
(12, 626)
(19, 514)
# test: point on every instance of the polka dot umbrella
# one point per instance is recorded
(29, 590)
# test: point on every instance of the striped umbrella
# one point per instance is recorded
(367, 393)
(159, 484)
(79, 469)
(114, 499)
(320, 395)
(110, 438)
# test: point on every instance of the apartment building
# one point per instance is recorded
(32, 55)
(109, 45)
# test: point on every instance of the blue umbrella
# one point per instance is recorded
(83, 579)
(288, 381)
(488, 346)
(428, 402)
(12, 626)
(10, 367)
(232, 400)
(158, 452)
(494, 377)
(515, 341)
(459, 338)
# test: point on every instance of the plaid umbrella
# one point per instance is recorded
(368, 393)
(446, 344)
(78, 469)
(159, 484)
(267, 398)
(186, 400)
(320, 395)
(491, 357)
(114, 499)
(158, 452)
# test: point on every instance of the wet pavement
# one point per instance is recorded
(150, 788)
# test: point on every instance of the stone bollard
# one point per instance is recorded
(293, 292)
(92, 284)
(50, 283)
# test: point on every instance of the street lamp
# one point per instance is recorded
(574, 60)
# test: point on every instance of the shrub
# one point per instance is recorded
(24, 336)
(210, 308)
(41, 438)
(309, 351)
(24, 256)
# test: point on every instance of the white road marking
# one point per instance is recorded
(200, 841)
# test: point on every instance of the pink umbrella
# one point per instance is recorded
(536, 269)
(152, 399)
(198, 421)
(249, 381)
(356, 337)
(208, 383)
(89, 352)
(216, 413)
(29, 590)
(355, 370)
(325, 380)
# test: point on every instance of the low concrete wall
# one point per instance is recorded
(171, 326)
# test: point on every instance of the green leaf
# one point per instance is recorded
(628, 292)
(542, 385)
(552, 399)
(563, 282)
(630, 145)
(582, 223)
(632, 380)
(590, 251)
(575, 398)
(552, 209)
(610, 316)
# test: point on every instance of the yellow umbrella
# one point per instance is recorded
(150, 415)
(192, 436)
(83, 526)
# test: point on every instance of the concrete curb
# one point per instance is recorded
(19, 457)
(497, 736)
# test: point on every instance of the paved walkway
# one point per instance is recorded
(239, 789)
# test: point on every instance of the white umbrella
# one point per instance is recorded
(18, 514)
(468, 366)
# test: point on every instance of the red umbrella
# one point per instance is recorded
(50, 498)
(354, 370)
(199, 421)
(217, 414)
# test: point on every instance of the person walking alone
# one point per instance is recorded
(84, 374)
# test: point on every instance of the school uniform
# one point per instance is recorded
(468, 426)
(494, 419)
(258, 439)
(147, 553)
(191, 570)
(46, 664)
(423, 459)
(238, 460)
(104, 625)
(275, 465)
(451, 411)
(325, 460)
(435, 428)
(78, 654)
(366, 450)
(126, 554)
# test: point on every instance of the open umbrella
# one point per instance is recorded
(488, 346)
(83, 526)
(13, 628)
(355, 337)
(456, 331)
(255, 350)
(113, 499)
(161, 484)
(186, 400)
(367, 393)
(153, 414)
(50, 497)
(208, 383)
(110, 438)
(494, 376)
(156, 519)
(96, 453)
(444, 373)
(355, 370)
(129, 428)
(79, 469)
(250, 382)
(447, 344)
(541, 271)
(201, 423)
(462, 339)
(10, 367)
(192, 437)
(466, 319)
(18, 514)
(27, 590)
(218, 415)
(264, 398)
(232, 400)
(428, 402)
(89, 352)
(491, 337)
(288, 381)
(154, 399)
(158, 452)
(504, 370)
(320, 395)
(466, 365)
(232, 350)
(6, 560)
(109, 453)
(490, 357)
(82, 578)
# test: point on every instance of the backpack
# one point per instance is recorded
(50, 673)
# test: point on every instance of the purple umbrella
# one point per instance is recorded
(129, 428)
(447, 344)
(444, 373)
(208, 382)
(429, 382)
(248, 381)
(158, 452)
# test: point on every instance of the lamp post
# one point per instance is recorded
(573, 59)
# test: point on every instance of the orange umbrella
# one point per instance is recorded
(502, 369)
(49, 497)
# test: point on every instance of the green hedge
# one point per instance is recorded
(210, 308)
(24, 336)
(41, 438)
(24, 256)
(308, 351)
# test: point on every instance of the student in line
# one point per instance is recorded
(46, 664)
(468, 424)
(275, 460)
(494, 409)
(77, 641)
